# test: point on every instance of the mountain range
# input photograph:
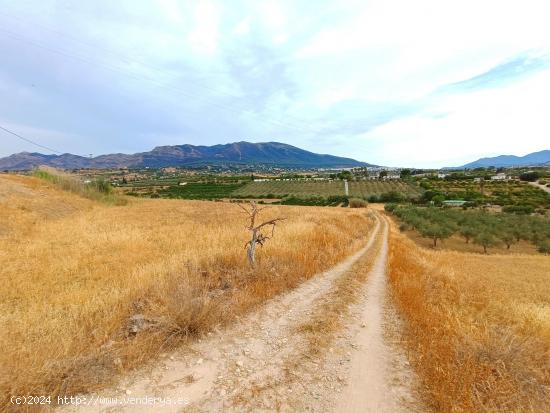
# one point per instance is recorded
(239, 153)
(541, 158)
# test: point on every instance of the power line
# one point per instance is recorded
(293, 124)
(131, 59)
(29, 141)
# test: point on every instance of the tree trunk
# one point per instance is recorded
(435, 242)
(251, 250)
(485, 249)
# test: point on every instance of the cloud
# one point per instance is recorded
(504, 73)
(435, 83)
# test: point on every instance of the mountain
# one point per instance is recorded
(541, 158)
(238, 153)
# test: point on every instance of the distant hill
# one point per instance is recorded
(541, 158)
(238, 153)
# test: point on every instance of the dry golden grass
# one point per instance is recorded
(478, 327)
(73, 272)
(328, 316)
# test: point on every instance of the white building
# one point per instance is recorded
(500, 177)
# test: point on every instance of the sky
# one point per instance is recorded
(424, 83)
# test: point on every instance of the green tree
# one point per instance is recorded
(544, 246)
(508, 238)
(435, 231)
(468, 233)
(486, 239)
(405, 173)
(438, 200)
(347, 175)
(530, 176)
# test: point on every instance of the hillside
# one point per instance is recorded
(79, 276)
(238, 153)
(541, 158)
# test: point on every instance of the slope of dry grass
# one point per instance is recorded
(74, 272)
(478, 326)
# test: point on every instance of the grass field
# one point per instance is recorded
(75, 271)
(300, 188)
(478, 327)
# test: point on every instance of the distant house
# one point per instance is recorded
(441, 176)
(500, 177)
(454, 202)
(261, 180)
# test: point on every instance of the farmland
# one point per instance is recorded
(325, 188)
(76, 272)
(291, 191)
(483, 229)
(504, 193)
(478, 327)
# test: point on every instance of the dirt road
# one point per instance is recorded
(265, 364)
(543, 187)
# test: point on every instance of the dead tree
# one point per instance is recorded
(257, 236)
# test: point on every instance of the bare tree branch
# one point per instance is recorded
(258, 238)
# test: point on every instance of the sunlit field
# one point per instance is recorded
(89, 290)
(478, 326)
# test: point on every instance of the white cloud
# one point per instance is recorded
(204, 38)
(330, 62)
(243, 28)
(511, 120)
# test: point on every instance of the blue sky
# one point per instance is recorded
(423, 83)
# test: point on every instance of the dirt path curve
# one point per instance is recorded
(537, 185)
(380, 379)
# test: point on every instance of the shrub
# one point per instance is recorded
(529, 176)
(544, 246)
(358, 203)
(518, 209)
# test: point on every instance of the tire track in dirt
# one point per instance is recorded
(380, 379)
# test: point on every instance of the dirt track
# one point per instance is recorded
(263, 364)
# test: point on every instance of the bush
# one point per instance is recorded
(544, 246)
(529, 176)
(358, 203)
(519, 209)
(392, 196)
(102, 186)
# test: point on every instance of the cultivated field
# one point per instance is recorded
(301, 188)
(478, 327)
(485, 230)
(90, 290)
(504, 193)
